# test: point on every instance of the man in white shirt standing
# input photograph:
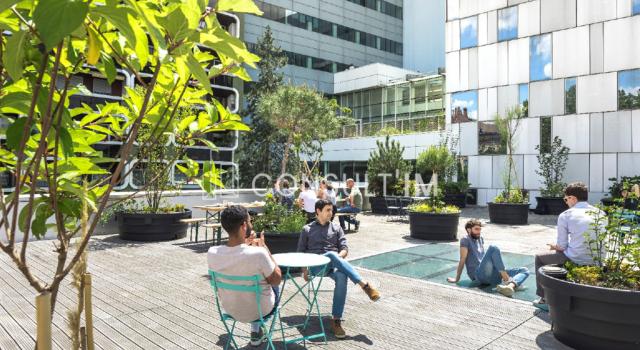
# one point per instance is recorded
(244, 255)
(574, 234)
(307, 200)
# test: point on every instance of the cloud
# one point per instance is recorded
(547, 70)
(508, 19)
(543, 46)
(632, 90)
(470, 23)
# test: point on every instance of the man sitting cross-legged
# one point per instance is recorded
(486, 267)
(326, 238)
(244, 255)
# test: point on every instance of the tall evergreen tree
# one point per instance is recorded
(261, 148)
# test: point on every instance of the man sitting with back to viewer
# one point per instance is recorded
(324, 237)
(244, 255)
(575, 231)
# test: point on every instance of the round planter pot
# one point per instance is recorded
(378, 205)
(588, 317)
(508, 213)
(282, 242)
(550, 205)
(458, 199)
(434, 227)
(152, 227)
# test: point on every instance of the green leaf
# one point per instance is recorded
(38, 226)
(94, 47)
(15, 103)
(55, 19)
(67, 142)
(15, 132)
(123, 19)
(13, 61)
(5, 4)
(108, 68)
(176, 25)
(243, 6)
(199, 73)
(208, 143)
(184, 123)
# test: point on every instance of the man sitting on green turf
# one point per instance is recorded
(486, 267)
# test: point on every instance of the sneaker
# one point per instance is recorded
(373, 293)
(505, 289)
(540, 303)
(357, 225)
(257, 337)
(336, 328)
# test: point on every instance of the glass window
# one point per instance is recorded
(629, 89)
(570, 96)
(489, 140)
(540, 57)
(508, 23)
(346, 33)
(469, 32)
(406, 95)
(636, 7)
(420, 91)
(523, 98)
(545, 134)
(464, 106)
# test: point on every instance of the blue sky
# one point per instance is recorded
(468, 32)
(636, 7)
(568, 83)
(508, 23)
(468, 99)
(629, 81)
(523, 93)
(540, 56)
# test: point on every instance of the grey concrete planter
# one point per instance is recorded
(433, 227)
(152, 227)
(508, 213)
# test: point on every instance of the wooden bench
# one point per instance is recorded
(193, 223)
(214, 226)
(351, 215)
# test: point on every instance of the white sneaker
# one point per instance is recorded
(505, 289)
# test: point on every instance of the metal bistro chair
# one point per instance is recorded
(404, 203)
(393, 208)
(252, 288)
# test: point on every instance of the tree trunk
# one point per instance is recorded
(285, 157)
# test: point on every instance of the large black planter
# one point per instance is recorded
(281, 242)
(152, 227)
(378, 205)
(458, 199)
(588, 317)
(550, 205)
(508, 213)
(433, 227)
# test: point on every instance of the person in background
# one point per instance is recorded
(486, 267)
(307, 201)
(283, 193)
(353, 204)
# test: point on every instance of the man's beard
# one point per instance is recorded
(474, 236)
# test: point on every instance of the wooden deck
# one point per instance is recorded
(157, 296)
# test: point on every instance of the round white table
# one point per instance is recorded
(287, 261)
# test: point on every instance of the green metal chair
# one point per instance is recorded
(254, 288)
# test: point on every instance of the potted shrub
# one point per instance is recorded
(281, 226)
(511, 206)
(455, 193)
(385, 170)
(432, 219)
(597, 307)
(552, 161)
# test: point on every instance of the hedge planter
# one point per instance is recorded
(152, 227)
(588, 317)
(508, 213)
(433, 227)
(550, 205)
(282, 242)
(459, 199)
(378, 205)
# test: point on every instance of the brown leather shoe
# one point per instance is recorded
(336, 328)
(373, 293)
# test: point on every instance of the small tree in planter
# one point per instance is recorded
(511, 206)
(432, 219)
(605, 296)
(553, 162)
(281, 226)
(386, 167)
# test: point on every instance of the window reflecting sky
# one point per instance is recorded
(636, 7)
(508, 23)
(464, 106)
(540, 54)
(629, 89)
(468, 32)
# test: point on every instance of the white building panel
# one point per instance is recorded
(571, 52)
(609, 168)
(531, 179)
(453, 71)
(453, 9)
(492, 27)
(628, 164)
(577, 168)
(596, 47)
(617, 131)
(528, 136)
(519, 61)
(597, 93)
(473, 68)
(507, 98)
(492, 103)
(592, 11)
(595, 173)
(503, 63)
(488, 66)
(483, 38)
(529, 19)
(623, 8)
(557, 15)
(635, 125)
(546, 98)
(596, 133)
(574, 132)
(464, 70)
(469, 139)
(482, 105)
(622, 44)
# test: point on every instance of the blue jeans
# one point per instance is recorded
(347, 209)
(488, 272)
(338, 270)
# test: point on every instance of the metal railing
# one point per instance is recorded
(394, 127)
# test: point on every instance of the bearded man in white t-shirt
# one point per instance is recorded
(245, 255)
